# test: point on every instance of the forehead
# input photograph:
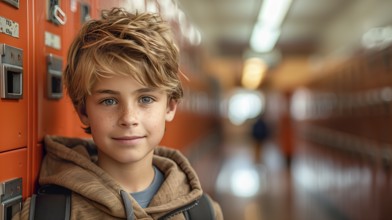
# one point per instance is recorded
(122, 84)
(117, 81)
(135, 70)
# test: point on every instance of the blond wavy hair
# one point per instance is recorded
(139, 45)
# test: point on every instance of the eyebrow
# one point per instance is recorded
(114, 92)
(105, 91)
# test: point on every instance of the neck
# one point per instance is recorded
(133, 177)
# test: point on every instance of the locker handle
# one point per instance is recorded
(56, 12)
(10, 198)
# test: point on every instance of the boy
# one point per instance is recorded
(122, 77)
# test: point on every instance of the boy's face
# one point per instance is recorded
(127, 119)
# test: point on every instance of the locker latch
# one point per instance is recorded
(54, 12)
(54, 81)
(85, 12)
(11, 72)
(14, 3)
(10, 198)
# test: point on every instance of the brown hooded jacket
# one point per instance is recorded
(70, 162)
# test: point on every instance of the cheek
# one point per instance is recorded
(155, 122)
(100, 121)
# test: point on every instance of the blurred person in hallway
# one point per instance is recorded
(259, 133)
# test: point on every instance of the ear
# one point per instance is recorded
(171, 109)
(83, 115)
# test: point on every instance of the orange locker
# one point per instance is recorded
(15, 101)
(50, 23)
(14, 69)
(12, 181)
(56, 115)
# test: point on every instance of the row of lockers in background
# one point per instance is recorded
(34, 38)
(342, 135)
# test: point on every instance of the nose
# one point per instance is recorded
(128, 116)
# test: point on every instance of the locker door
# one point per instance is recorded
(13, 176)
(14, 70)
(50, 22)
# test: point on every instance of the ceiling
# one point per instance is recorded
(315, 34)
(226, 25)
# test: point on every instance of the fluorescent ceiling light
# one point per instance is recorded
(253, 73)
(263, 39)
(272, 12)
(267, 29)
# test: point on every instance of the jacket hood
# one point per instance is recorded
(71, 163)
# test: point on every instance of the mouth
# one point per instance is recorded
(128, 140)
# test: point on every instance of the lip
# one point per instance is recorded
(128, 139)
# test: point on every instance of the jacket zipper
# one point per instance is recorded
(179, 210)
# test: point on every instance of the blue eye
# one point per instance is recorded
(109, 102)
(146, 100)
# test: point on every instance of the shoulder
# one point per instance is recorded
(169, 155)
(167, 152)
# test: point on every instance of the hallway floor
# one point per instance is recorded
(250, 191)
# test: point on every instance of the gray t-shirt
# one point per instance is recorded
(144, 197)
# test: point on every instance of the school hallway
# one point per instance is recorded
(253, 191)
